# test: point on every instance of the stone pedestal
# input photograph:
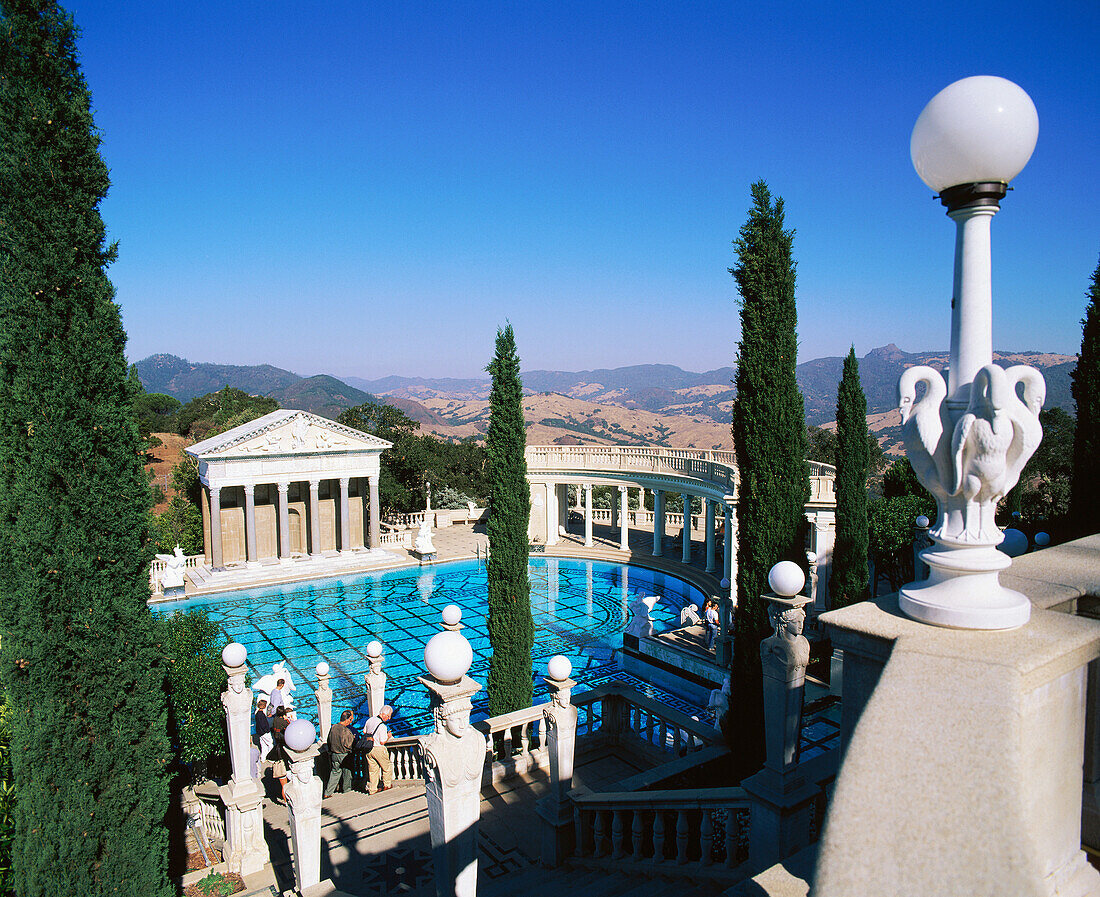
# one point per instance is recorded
(303, 798)
(723, 645)
(782, 795)
(245, 848)
(454, 759)
(324, 705)
(556, 810)
(376, 684)
(963, 755)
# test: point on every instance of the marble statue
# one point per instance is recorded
(784, 657)
(423, 544)
(689, 616)
(641, 624)
(265, 684)
(172, 575)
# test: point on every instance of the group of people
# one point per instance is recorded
(273, 716)
(689, 616)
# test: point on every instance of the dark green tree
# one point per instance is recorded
(849, 580)
(1085, 492)
(83, 676)
(511, 629)
(769, 434)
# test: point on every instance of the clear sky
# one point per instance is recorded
(372, 188)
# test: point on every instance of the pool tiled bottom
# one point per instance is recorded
(579, 607)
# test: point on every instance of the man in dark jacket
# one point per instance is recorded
(341, 739)
(263, 730)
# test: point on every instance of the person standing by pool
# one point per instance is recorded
(340, 742)
(263, 730)
(711, 612)
(277, 699)
(278, 731)
(379, 733)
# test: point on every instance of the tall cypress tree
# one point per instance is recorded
(1085, 492)
(849, 581)
(769, 435)
(82, 673)
(511, 629)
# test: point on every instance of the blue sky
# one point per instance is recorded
(366, 189)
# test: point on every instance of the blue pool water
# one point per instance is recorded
(579, 609)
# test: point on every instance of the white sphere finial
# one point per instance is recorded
(374, 648)
(559, 667)
(981, 129)
(922, 521)
(300, 734)
(322, 669)
(234, 654)
(452, 614)
(786, 579)
(448, 656)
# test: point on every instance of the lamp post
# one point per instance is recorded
(969, 438)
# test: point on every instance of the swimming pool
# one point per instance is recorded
(580, 609)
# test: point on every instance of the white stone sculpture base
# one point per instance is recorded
(963, 591)
(245, 848)
(303, 793)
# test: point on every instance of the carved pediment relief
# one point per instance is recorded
(287, 433)
(299, 435)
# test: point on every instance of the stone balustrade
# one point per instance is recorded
(617, 712)
(694, 828)
(157, 567)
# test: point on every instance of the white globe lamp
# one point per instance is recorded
(300, 734)
(922, 522)
(374, 648)
(786, 579)
(322, 669)
(559, 668)
(234, 654)
(452, 614)
(448, 656)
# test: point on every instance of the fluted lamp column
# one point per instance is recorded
(969, 438)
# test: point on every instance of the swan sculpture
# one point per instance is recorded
(982, 440)
(926, 429)
(1027, 431)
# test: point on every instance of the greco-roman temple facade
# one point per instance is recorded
(289, 484)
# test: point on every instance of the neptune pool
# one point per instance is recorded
(580, 609)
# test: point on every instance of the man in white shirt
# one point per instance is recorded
(378, 758)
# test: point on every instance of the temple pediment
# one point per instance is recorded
(287, 432)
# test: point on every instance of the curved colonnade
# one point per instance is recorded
(708, 475)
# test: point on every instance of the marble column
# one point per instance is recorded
(658, 522)
(314, 518)
(614, 513)
(560, 719)
(685, 534)
(587, 515)
(245, 848)
(375, 513)
(250, 524)
(454, 760)
(624, 520)
(303, 800)
(730, 560)
(375, 679)
(324, 700)
(709, 525)
(345, 517)
(284, 523)
(215, 526)
(552, 513)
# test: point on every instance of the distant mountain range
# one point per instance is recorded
(658, 403)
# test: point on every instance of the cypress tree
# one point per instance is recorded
(769, 434)
(849, 580)
(1085, 494)
(83, 676)
(511, 629)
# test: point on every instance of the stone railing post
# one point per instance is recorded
(303, 797)
(245, 847)
(375, 679)
(324, 700)
(723, 646)
(454, 759)
(782, 802)
(560, 719)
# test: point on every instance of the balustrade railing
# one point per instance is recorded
(716, 468)
(206, 801)
(700, 827)
(618, 712)
(157, 567)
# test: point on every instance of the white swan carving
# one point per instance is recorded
(982, 440)
(926, 430)
(1025, 418)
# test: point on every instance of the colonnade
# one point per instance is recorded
(275, 537)
(621, 520)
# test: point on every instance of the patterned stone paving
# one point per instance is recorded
(579, 607)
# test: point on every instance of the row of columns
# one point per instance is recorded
(620, 518)
(214, 490)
